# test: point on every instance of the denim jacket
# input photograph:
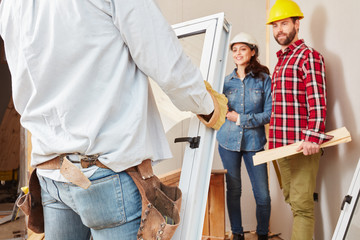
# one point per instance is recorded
(251, 98)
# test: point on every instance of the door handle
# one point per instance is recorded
(194, 141)
(347, 199)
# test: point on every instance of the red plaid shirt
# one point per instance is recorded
(299, 97)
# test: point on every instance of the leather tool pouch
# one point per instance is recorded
(31, 205)
(160, 204)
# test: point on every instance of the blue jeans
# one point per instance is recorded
(259, 180)
(109, 209)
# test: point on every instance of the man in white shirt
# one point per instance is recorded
(79, 78)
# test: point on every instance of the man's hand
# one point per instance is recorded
(217, 118)
(309, 148)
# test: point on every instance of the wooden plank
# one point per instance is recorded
(340, 135)
(216, 202)
(218, 171)
(214, 220)
(28, 171)
(35, 236)
(10, 139)
(267, 49)
(206, 227)
(171, 178)
(2, 52)
(28, 152)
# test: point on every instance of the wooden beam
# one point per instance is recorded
(35, 236)
(171, 178)
(214, 220)
(216, 203)
(10, 139)
(2, 51)
(340, 135)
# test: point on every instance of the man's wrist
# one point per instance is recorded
(207, 117)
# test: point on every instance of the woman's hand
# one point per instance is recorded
(232, 116)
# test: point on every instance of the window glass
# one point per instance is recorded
(176, 122)
(354, 223)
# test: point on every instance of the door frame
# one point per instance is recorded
(197, 162)
(348, 206)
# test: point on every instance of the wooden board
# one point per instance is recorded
(341, 135)
(35, 236)
(171, 178)
(214, 220)
(2, 51)
(10, 139)
(216, 207)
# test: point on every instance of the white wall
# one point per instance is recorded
(244, 15)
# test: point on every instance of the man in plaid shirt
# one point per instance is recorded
(298, 114)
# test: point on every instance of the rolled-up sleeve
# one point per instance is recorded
(316, 99)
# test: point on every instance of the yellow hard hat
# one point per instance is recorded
(284, 9)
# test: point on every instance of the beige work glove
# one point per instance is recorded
(217, 118)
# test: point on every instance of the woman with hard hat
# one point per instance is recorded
(248, 89)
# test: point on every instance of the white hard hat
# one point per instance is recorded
(243, 38)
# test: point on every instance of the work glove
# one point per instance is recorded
(217, 118)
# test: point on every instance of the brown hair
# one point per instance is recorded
(294, 19)
(255, 66)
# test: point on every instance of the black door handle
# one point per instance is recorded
(194, 141)
(347, 199)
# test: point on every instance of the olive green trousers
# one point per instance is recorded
(298, 176)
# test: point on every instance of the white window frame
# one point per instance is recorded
(348, 207)
(197, 162)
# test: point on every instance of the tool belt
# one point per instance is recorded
(31, 205)
(161, 204)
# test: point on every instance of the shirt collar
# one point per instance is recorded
(234, 74)
(290, 48)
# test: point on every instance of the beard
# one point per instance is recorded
(289, 38)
